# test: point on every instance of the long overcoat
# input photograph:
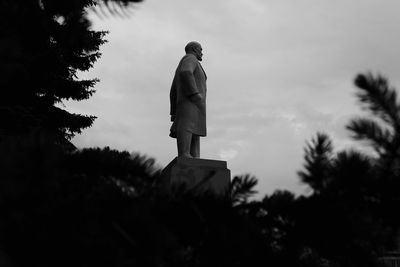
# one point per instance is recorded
(189, 116)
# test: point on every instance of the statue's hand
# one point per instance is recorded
(173, 117)
(196, 98)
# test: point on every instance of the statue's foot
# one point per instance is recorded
(186, 156)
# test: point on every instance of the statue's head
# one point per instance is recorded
(195, 49)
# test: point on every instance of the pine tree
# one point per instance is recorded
(318, 156)
(382, 131)
(355, 193)
(44, 44)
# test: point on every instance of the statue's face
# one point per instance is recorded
(198, 52)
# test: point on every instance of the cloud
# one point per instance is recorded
(227, 154)
(278, 72)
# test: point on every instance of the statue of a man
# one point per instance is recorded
(188, 102)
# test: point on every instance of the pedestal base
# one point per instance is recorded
(198, 175)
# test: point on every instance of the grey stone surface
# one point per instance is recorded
(188, 102)
(198, 175)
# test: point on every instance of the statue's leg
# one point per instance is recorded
(195, 146)
(183, 140)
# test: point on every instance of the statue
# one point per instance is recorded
(188, 102)
(188, 114)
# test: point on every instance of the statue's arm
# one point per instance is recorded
(186, 76)
(188, 80)
(190, 86)
(189, 83)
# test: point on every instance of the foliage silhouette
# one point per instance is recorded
(120, 8)
(130, 171)
(353, 192)
(65, 208)
(45, 44)
(91, 207)
(318, 156)
(242, 188)
(101, 207)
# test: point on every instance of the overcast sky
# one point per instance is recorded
(278, 72)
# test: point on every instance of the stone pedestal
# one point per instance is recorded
(197, 175)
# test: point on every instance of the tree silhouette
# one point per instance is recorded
(354, 193)
(133, 173)
(44, 45)
(242, 188)
(101, 207)
(61, 205)
(382, 132)
(318, 156)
